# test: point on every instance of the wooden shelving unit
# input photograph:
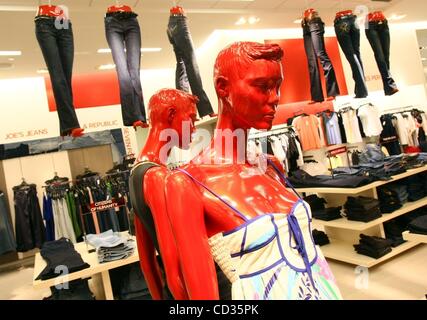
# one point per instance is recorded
(422, 238)
(344, 233)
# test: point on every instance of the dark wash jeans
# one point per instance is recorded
(314, 44)
(125, 34)
(378, 35)
(57, 46)
(348, 35)
(187, 70)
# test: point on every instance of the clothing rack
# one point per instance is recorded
(276, 130)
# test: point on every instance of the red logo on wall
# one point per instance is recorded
(90, 90)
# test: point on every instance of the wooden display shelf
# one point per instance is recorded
(344, 223)
(372, 185)
(343, 251)
(422, 238)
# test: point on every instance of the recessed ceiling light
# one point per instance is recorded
(298, 21)
(11, 59)
(395, 17)
(10, 53)
(423, 59)
(107, 50)
(241, 21)
(253, 20)
(106, 66)
(43, 70)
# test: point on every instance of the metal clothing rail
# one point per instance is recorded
(275, 130)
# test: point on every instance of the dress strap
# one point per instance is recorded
(214, 194)
(280, 173)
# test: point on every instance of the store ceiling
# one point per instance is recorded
(17, 26)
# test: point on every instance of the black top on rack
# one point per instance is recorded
(23, 186)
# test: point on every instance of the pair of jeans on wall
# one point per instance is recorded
(7, 239)
(314, 44)
(57, 45)
(187, 70)
(124, 38)
(29, 227)
(348, 35)
(378, 35)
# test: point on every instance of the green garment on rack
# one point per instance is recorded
(69, 197)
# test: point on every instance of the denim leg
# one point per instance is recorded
(343, 32)
(313, 68)
(182, 38)
(48, 38)
(66, 53)
(181, 78)
(133, 53)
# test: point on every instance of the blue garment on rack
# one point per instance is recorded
(48, 218)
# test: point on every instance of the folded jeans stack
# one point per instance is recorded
(415, 187)
(319, 211)
(392, 197)
(374, 247)
(362, 208)
(418, 225)
(320, 238)
(110, 246)
(393, 231)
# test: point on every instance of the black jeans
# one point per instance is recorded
(57, 45)
(187, 70)
(29, 228)
(378, 35)
(314, 44)
(348, 35)
(7, 239)
(125, 34)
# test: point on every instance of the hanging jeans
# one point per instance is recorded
(187, 70)
(57, 45)
(378, 35)
(314, 44)
(124, 38)
(29, 228)
(348, 35)
(7, 240)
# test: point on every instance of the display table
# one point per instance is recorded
(101, 284)
(344, 233)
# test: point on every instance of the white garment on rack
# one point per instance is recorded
(424, 123)
(284, 139)
(277, 147)
(412, 129)
(62, 220)
(351, 126)
(370, 118)
(402, 130)
(300, 160)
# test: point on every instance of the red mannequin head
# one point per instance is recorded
(169, 108)
(247, 79)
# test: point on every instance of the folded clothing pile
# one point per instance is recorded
(319, 211)
(392, 197)
(415, 185)
(362, 208)
(393, 231)
(110, 246)
(374, 247)
(77, 290)
(320, 238)
(418, 225)
(128, 283)
(60, 253)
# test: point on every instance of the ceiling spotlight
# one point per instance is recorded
(395, 17)
(298, 21)
(253, 20)
(42, 71)
(106, 67)
(10, 53)
(241, 21)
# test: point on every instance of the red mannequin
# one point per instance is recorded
(177, 10)
(119, 8)
(343, 14)
(248, 77)
(376, 16)
(168, 109)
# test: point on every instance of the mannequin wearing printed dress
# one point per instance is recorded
(219, 194)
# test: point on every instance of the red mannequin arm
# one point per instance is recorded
(155, 180)
(148, 262)
(186, 214)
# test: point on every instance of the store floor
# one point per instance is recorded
(400, 278)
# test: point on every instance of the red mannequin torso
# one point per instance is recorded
(184, 109)
(120, 8)
(196, 214)
(343, 14)
(177, 11)
(376, 16)
(49, 10)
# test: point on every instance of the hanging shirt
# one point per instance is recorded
(278, 151)
(401, 127)
(321, 129)
(308, 132)
(412, 129)
(332, 128)
(351, 126)
(370, 118)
